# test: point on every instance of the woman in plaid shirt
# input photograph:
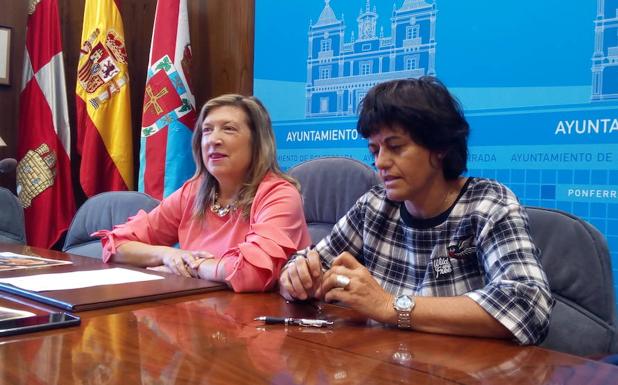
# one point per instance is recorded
(429, 250)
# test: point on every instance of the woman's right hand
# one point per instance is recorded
(184, 262)
(301, 278)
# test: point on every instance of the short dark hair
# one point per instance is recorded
(427, 111)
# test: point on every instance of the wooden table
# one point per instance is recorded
(212, 338)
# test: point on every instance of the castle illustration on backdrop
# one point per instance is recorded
(605, 57)
(341, 70)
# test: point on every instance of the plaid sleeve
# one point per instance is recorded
(517, 293)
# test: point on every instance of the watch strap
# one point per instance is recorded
(404, 313)
(404, 319)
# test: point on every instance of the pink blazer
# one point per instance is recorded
(254, 250)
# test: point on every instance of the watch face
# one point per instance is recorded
(403, 302)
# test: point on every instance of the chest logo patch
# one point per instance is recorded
(441, 266)
(462, 249)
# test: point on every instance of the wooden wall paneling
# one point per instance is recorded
(71, 22)
(138, 18)
(222, 39)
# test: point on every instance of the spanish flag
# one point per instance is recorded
(104, 137)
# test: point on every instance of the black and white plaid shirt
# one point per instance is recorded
(480, 247)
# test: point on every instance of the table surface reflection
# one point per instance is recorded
(212, 338)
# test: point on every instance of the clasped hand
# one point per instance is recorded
(304, 278)
(184, 262)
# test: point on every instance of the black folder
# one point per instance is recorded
(18, 316)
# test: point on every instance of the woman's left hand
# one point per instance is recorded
(362, 292)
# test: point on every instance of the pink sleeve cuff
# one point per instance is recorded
(132, 230)
(255, 264)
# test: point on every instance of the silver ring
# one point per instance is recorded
(342, 281)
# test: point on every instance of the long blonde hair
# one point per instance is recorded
(263, 153)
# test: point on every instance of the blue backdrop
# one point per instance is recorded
(538, 81)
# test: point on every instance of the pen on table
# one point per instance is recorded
(318, 323)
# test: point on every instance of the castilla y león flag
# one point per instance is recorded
(168, 114)
(44, 145)
(104, 138)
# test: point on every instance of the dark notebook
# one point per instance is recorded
(18, 316)
(88, 298)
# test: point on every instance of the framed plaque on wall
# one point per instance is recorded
(5, 54)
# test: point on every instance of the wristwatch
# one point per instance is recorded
(403, 305)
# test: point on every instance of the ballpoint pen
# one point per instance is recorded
(318, 323)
